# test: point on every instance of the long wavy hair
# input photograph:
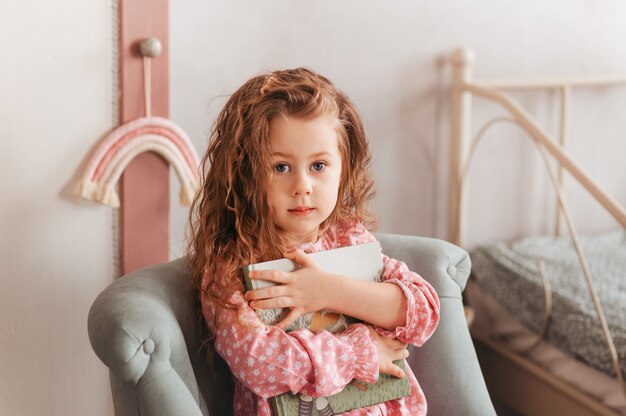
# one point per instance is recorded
(230, 220)
(230, 224)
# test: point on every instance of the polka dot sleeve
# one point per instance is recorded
(269, 361)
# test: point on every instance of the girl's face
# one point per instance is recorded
(306, 172)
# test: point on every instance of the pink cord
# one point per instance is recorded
(147, 83)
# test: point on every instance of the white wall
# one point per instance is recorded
(389, 57)
(56, 92)
(55, 251)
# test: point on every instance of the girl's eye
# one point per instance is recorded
(281, 167)
(318, 166)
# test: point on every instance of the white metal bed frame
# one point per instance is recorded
(513, 379)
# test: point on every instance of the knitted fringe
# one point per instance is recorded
(106, 194)
(98, 192)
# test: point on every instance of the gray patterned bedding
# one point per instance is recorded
(508, 272)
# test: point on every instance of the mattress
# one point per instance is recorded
(508, 273)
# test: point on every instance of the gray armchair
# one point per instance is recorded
(143, 328)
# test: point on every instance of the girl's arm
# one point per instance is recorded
(422, 303)
(311, 289)
(405, 305)
(382, 305)
(269, 361)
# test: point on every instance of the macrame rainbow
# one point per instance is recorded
(122, 145)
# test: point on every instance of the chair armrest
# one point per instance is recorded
(446, 366)
(136, 328)
(444, 265)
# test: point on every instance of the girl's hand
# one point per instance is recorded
(389, 350)
(303, 291)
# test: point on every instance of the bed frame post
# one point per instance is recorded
(564, 95)
(462, 60)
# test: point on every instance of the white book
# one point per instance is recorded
(362, 261)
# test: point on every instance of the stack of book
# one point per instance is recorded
(364, 262)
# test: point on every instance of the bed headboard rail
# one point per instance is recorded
(464, 88)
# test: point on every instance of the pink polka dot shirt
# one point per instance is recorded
(267, 361)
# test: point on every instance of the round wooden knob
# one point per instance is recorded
(462, 57)
(150, 47)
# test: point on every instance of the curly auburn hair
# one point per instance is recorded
(230, 217)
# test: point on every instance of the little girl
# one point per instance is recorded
(287, 174)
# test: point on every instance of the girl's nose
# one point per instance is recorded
(302, 185)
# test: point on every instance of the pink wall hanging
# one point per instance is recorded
(118, 148)
(143, 134)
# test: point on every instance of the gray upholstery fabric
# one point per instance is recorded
(142, 327)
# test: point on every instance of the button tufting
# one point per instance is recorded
(452, 270)
(148, 346)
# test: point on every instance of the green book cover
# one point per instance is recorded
(364, 262)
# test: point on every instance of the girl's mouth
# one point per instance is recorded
(301, 211)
